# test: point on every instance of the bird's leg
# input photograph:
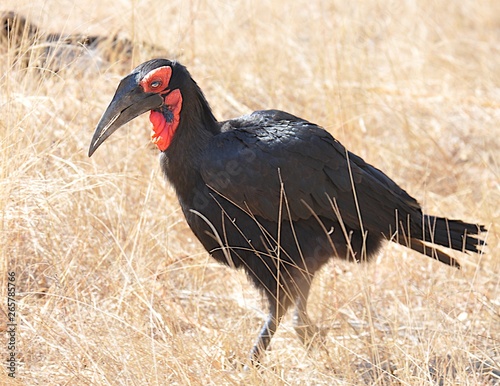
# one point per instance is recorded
(277, 310)
(265, 335)
(302, 324)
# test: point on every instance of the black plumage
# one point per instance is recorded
(272, 193)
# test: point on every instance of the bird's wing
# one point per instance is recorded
(274, 164)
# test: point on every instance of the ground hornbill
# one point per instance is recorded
(272, 193)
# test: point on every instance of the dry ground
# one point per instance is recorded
(113, 289)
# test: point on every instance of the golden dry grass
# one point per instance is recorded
(113, 289)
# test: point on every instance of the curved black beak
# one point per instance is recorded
(129, 102)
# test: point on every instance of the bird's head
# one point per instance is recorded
(153, 86)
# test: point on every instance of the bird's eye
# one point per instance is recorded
(155, 84)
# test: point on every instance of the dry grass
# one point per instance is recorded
(113, 289)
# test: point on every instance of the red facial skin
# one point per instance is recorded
(157, 81)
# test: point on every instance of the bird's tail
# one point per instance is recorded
(454, 234)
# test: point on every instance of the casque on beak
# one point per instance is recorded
(129, 102)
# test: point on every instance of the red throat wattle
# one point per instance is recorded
(163, 127)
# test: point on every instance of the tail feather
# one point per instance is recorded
(453, 234)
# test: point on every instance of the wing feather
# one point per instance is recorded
(258, 155)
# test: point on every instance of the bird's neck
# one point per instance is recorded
(181, 161)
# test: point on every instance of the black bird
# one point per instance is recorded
(272, 193)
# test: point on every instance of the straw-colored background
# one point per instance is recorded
(113, 289)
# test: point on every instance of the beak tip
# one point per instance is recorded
(93, 147)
